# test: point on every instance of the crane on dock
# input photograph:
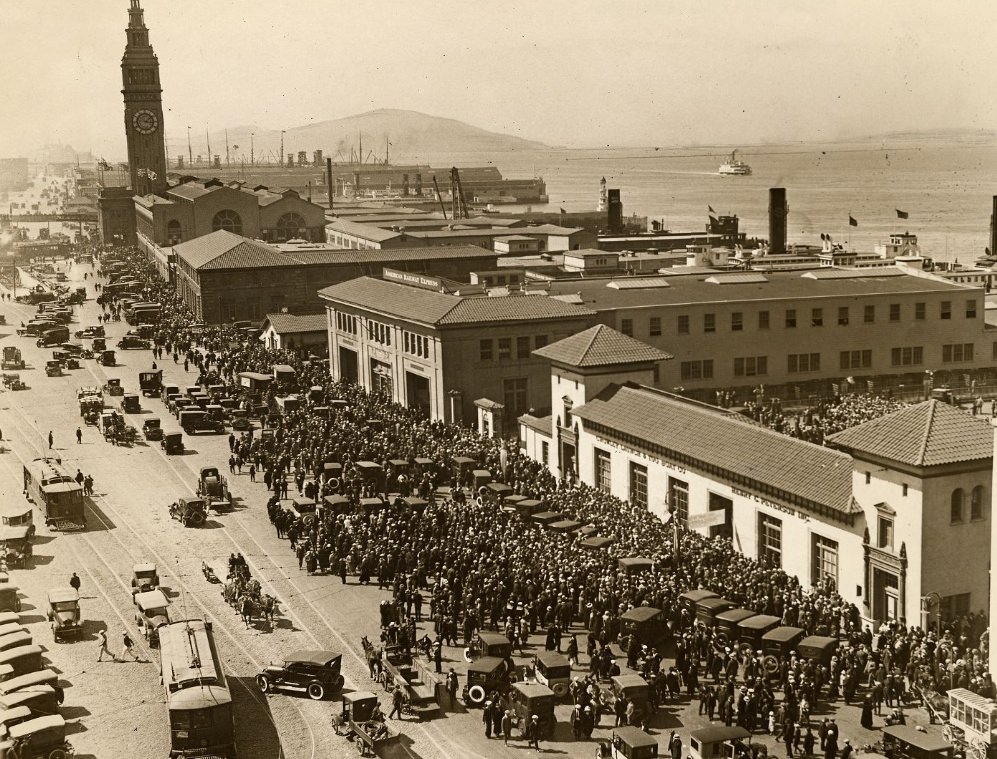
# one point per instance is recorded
(458, 201)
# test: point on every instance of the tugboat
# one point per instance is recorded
(734, 167)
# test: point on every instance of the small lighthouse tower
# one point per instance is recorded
(603, 195)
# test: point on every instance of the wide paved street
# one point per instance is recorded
(117, 709)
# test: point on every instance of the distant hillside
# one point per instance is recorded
(410, 133)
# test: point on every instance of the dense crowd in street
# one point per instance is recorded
(466, 566)
(817, 422)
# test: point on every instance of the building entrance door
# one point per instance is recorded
(349, 370)
(417, 392)
(885, 595)
(721, 503)
(380, 378)
(568, 461)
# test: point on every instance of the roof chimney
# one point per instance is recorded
(778, 211)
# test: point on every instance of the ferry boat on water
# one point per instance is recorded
(734, 167)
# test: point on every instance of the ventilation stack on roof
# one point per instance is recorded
(317, 158)
(778, 211)
(405, 185)
(418, 184)
(993, 229)
(302, 157)
(615, 210)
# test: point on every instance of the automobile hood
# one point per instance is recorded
(66, 617)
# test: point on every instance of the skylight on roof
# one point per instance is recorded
(638, 283)
(737, 278)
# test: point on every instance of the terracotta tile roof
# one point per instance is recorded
(600, 346)
(225, 250)
(286, 324)
(928, 434)
(430, 307)
(810, 476)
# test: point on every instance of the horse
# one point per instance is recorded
(268, 607)
(246, 609)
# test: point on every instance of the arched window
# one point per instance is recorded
(958, 497)
(976, 503)
(228, 220)
(290, 225)
(173, 233)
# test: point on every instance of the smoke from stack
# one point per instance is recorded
(778, 211)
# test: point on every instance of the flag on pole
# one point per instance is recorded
(902, 214)
(852, 222)
(713, 214)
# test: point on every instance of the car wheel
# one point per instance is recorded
(57, 753)
(264, 682)
(338, 683)
(316, 691)
(476, 695)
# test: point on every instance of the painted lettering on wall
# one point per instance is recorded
(408, 278)
(640, 454)
(771, 504)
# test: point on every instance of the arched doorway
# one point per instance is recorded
(290, 225)
(228, 220)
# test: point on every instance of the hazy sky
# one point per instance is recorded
(577, 72)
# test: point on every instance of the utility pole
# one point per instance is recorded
(328, 179)
(387, 146)
(228, 161)
(281, 147)
(190, 151)
(207, 137)
(252, 149)
(360, 154)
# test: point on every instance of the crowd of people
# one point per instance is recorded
(483, 567)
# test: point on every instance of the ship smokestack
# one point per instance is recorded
(405, 185)
(993, 229)
(418, 185)
(778, 211)
(615, 209)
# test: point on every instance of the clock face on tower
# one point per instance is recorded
(145, 122)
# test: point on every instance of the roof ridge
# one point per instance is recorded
(923, 449)
(596, 331)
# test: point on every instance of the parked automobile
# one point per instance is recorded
(172, 443)
(64, 613)
(189, 511)
(144, 578)
(132, 342)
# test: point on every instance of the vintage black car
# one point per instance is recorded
(129, 342)
(314, 672)
(190, 511)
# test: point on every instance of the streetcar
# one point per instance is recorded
(198, 701)
(49, 486)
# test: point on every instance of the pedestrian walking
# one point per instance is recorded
(51, 439)
(102, 647)
(252, 472)
(533, 733)
(79, 437)
(506, 725)
(397, 700)
(127, 646)
(74, 582)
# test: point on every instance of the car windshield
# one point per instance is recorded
(156, 611)
(64, 605)
(147, 575)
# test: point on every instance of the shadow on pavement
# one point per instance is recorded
(74, 712)
(257, 734)
(102, 523)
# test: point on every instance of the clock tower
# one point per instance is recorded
(143, 107)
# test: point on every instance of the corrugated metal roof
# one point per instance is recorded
(600, 346)
(928, 434)
(712, 438)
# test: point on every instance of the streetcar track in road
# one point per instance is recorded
(181, 584)
(298, 592)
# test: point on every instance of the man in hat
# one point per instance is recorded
(486, 717)
(507, 725)
(533, 732)
(846, 752)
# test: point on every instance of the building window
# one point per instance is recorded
(539, 341)
(228, 220)
(290, 225)
(683, 325)
(751, 366)
(803, 362)
(908, 356)
(514, 392)
(825, 560)
(957, 352)
(736, 321)
(173, 233)
(976, 503)
(868, 478)
(790, 318)
(869, 314)
(894, 312)
(709, 323)
(769, 540)
(485, 350)
(694, 370)
(627, 327)
(843, 316)
(654, 329)
(505, 348)
(956, 504)
(970, 309)
(638, 485)
(884, 536)
(603, 471)
(946, 309)
(763, 320)
(856, 359)
(678, 499)
(545, 452)
(817, 317)
(904, 488)
(523, 347)
(920, 311)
